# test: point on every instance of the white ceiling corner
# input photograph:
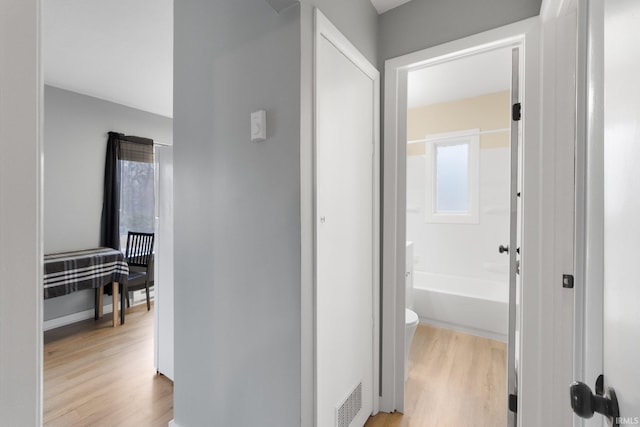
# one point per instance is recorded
(117, 50)
(383, 6)
(280, 5)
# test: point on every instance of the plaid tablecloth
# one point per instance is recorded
(68, 272)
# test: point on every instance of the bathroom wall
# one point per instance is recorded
(486, 112)
(468, 250)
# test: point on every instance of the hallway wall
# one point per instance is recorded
(420, 24)
(237, 226)
(237, 205)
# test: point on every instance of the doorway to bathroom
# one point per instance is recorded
(457, 230)
(453, 138)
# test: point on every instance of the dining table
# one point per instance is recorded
(67, 272)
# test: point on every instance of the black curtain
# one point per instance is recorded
(110, 225)
(119, 147)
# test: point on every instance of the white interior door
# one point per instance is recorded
(512, 375)
(622, 205)
(163, 288)
(345, 244)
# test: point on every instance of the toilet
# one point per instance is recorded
(410, 317)
(410, 324)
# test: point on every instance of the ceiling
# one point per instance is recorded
(117, 50)
(383, 6)
(462, 78)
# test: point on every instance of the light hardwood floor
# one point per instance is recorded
(455, 380)
(96, 375)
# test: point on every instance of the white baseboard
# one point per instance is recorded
(471, 331)
(73, 318)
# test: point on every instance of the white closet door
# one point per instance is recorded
(345, 126)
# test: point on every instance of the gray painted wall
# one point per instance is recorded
(420, 24)
(75, 140)
(237, 225)
(237, 205)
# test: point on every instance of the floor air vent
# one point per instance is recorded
(349, 408)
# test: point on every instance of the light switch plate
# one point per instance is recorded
(258, 126)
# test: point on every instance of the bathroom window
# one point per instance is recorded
(452, 177)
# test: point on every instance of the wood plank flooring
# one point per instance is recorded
(455, 380)
(96, 375)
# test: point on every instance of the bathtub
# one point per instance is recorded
(476, 306)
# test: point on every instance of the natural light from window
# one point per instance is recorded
(137, 199)
(452, 181)
(452, 174)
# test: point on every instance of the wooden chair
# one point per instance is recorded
(139, 256)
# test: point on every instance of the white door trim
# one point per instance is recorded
(324, 28)
(525, 35)
(164, 286)
(589, 256)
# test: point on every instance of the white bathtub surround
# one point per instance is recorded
(460, 280)
(476, 306)
(469, 250)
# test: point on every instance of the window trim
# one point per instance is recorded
(471, 137)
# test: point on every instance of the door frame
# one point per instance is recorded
(589, 241)
(21, 247)
(523, 34)
(163, 342)
(324, 28)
